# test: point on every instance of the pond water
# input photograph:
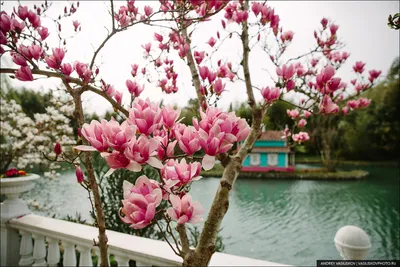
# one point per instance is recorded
(285, 221)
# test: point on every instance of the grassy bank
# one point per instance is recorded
(305, 174)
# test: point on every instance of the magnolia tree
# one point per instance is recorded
(25, 141)
(152, 134)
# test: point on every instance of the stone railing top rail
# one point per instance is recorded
(141, 249)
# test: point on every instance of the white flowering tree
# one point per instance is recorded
(24, 141)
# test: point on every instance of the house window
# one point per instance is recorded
(272, 159)
(255, 159)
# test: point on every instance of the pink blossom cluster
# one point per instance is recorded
(362, 102)
(267, 15)
(146, 137)
(300, 137)
(326, 40)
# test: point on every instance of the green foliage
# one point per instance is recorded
(373, 133)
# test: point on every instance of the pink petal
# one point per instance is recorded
(134, 166)
(208, 162)
(171, 212)
(85, 148)
(126, 186)
(156, 163)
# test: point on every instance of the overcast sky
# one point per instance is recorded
(362, 26)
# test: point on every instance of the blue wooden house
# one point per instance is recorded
(270, 153)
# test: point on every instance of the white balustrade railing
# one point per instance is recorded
(40, 240)
(49, 235)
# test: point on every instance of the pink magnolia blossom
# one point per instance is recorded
(327, 106)
(35, 51)
(22, 12)
(3, 39)
(134, 69)
(286, 72)
(117, 160)
(306, 114)
(218, 87)
(325, 81)
(34, 19)
(52, 62)
(345, 110)
(212, 76)
(199, 56)
(147, 47)
(294, 113)
(177, 174)
(302, 123)
(301, 137)
(211, 42)
(141, 151)
(19, 59)
(118, 97)
(188, 140)
(5, 23)
(363, 102)
(333, 28)
(203, 71)
(140, 202)
(290, 85)
(94, 133)
(148, 10)
(66, 68)
(359, 67)
(217, 132)
(118, 136)
(324, 22)
(17, 26)
(79, 174)
(165, 149)
(373, 74)
(353, 104)
(43, 32)
(134, 88)
(83, 71)
(169, 116)
(184, 210)
(24, 74)
(24, 50)
(287, 36)
(158, 37)
(270, 94)
(76, 24)
(146, 115)
(256, 8)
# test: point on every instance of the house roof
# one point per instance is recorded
(271, 135)
(271, 150)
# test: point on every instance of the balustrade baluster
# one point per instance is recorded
(85, 258)
(69, 258)
(26, 249)
(53, 252)
(39, 250)
(122, 261)
(141, 264)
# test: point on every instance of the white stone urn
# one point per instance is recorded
(13, 187)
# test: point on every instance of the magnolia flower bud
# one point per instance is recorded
(79, 174)
(57, 149)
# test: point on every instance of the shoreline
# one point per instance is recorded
(304, 174)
